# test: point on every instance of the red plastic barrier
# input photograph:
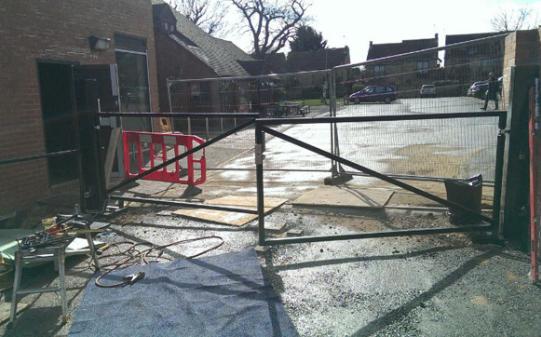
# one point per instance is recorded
(145, 150)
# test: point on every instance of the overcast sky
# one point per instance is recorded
(355, 22)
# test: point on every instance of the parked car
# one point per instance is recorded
(479, 88)
(448, 88)
(374, 93)
(428, 90)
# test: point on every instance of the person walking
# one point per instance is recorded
(492, 91)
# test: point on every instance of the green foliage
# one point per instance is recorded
(307, 39)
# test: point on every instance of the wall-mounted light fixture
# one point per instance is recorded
(99, 43)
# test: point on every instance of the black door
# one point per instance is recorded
(57, 106)
(94, 92)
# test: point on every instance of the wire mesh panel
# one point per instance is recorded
(449, 79)
(438, 79)
(452, 79)
(302, 94)
(445, 148)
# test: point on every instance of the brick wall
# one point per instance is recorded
(55, 30)
(175, 62)
(523, 48)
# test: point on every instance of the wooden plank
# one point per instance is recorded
(230, 218)
(110, 156)
(221, 217)
(344, 197)
(246, 201)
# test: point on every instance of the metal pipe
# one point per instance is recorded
(182, 204)
(181, 114)
(169, 96)
(534, 273)
(374, 173)
(181, 156)
(234, 78)
(259, 184)
(498, 173)
(382, 118)
(383, 234)
(332, 113)
(268, 170)
(537, 104)
(37, 156)
(421, 52)
(411, 177)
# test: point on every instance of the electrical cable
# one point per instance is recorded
(132, 256)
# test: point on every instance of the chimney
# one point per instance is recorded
(371, 42)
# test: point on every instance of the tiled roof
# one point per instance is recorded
(457, 38)
(406, 46)
(220, 55)
(317, 60)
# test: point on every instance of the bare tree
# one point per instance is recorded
(507, 21)
(209, 15)
(271, 23)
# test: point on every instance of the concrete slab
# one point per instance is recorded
(246, 201)
(230, 218)
(343, 196)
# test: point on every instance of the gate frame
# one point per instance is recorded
(491, 224)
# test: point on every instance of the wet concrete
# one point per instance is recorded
(442, 285)
(410, 286)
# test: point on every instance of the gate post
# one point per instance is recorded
(259, 156)
(516, 165)
(338, 175)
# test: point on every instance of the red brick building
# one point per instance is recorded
(44, 45)
(185, 51)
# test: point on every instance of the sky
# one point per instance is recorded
(357, 22)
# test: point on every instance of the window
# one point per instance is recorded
(423, 66)
(379, 70)
(131, 57)
(473, 50)
(195, 89)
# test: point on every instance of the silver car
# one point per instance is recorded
(428, 90)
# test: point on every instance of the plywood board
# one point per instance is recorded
(221, 217)
(342, 196)
(226, 217)
(246, 201)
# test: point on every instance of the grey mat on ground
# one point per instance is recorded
(224, 295)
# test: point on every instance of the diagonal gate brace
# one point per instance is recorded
(375, 174)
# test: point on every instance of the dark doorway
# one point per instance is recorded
(95, 91)
(58, 112)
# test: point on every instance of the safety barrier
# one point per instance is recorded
(144, 151)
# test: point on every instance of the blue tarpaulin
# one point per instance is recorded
(224, 295)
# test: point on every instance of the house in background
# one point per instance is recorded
(474, 62)
(408, 73)
(304, 86)
(186, 52)
(317, 60)
(48, 48)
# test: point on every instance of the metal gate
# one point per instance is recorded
(486, 223)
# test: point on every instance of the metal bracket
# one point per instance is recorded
(259, 156)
